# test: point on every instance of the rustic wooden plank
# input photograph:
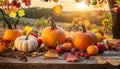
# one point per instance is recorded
(41, 62)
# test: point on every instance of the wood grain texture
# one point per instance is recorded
(42, 63)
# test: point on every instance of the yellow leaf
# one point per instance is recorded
(27, 30)
(21, 13)
(57, 9)
(12, 14)
(14, 8)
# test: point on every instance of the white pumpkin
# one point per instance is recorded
(28, 45)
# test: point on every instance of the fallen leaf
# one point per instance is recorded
(113, 62)
(100, 60)
(51, 54)
(71, 58)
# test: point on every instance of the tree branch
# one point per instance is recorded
(9, 25)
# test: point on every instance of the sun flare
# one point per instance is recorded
(82, 5)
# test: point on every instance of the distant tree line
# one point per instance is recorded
(36, 13)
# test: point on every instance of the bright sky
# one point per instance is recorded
(68, 5)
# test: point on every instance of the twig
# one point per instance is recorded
(9, 25)
(15, 25)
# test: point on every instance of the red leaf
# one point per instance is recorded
(71, 58)
(18, 5)
(27, 2)
(7, 2)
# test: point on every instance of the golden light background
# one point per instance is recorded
(68, 5)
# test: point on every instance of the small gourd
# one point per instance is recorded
(26, 44)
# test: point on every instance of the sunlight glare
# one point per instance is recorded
(82, 5)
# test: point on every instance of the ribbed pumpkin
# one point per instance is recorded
(26, 45)
(82, 40)
(94, 37)
(12, 34)
(50, 35)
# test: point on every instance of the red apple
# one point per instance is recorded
(35, 35)
(101, 47)
(60, 49)
(39, 40)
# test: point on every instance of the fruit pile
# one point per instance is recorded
(53, 42)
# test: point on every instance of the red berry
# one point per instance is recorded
(82, 54)
(118, 9)
(86, 56)
(73, 50)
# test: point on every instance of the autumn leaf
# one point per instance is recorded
(14, 8)
(113, 62)
(21, 13)
(27, 30)
(118, 2)
(2, 2)
(27, 2)
(51, 54)
(12, 14)
(100, 60)
(6, 2)
(71, 58)
(57, 9)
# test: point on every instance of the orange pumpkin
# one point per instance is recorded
(12, 34)
(92, 50)
(50, 35)
(94, 37)
(82, 40)
(67, 45)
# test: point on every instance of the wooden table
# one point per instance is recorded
(42, 63)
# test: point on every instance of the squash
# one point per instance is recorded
(11, 35)
(67, 45)
(51, 35)
(26, 45)
(92, 50)
(82, 40)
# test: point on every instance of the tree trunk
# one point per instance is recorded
(116, 20)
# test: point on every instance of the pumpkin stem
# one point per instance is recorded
(27, 36)
(84, 29)
(53, 26)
